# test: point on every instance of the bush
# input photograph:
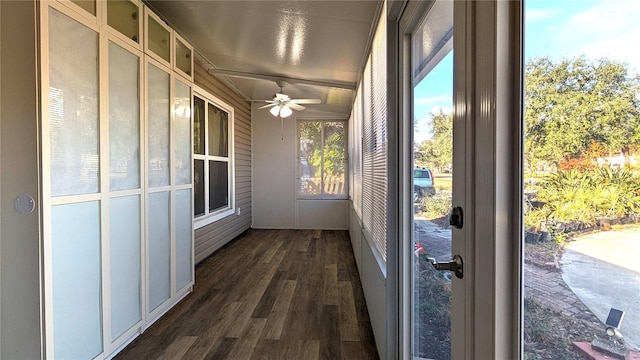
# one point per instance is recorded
(436, 206)
(586, 196)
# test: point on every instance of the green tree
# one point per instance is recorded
(334, 149)
(574, 104)
(323, 145)
(437, 152)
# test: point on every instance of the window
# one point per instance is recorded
(374, 145)
(355, 154)
(322, 159)
(212, 158)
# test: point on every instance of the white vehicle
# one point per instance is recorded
(423, 182)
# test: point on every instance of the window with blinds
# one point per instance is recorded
(370, 119)
(355, 161)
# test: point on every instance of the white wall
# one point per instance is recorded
(374, 284)
(19, 234)
(274, 178)
(274, 161)
(322, 214)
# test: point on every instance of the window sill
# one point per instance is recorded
(211, 218)
(322, 197)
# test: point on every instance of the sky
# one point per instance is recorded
(557, 29)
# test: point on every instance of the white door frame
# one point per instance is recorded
(488, 182)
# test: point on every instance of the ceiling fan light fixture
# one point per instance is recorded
(285, 112)
(282, 105)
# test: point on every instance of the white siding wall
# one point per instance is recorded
(19, 237)
(373, 279)
(374, 283)
(213, 236)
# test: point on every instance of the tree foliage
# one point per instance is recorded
(577, 106)
(437, 152)
(323, 154)
(334, 149)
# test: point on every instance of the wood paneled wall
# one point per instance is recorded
(213, 236)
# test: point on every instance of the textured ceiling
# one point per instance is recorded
(307, 42)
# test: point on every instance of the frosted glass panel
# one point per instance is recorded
(158, 39)
(88, 5)
(158, 103)
(184, 238)
(183, 57)
(73, 106)
(124, 243)
(182, 133)
(124, 119)
(159, 249)
(75, 241)
(122, 15)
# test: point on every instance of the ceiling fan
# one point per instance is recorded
(282, 105)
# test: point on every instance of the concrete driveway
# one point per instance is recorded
(603, 270)
(435, 240)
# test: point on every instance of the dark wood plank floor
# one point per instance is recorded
(270, 294)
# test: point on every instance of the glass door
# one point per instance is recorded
(460, 180)
(431, 186)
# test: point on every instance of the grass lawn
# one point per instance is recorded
(442, 182)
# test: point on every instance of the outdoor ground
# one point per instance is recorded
(549, 332)
(554, 315)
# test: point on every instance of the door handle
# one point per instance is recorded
(455, 265)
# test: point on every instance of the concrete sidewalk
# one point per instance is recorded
(435, 240)
(603, 270)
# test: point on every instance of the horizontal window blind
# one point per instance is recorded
(374, 142)
(356, 153)
(367, 150)
(379, 133)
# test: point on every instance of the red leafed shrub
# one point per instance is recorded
(580, 165)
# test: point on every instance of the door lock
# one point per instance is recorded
(456, 265)
(456, 218)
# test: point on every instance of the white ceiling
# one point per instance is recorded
(309, 43)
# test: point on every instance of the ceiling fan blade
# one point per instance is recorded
(296, 106)
(306, 101)
(266, 106)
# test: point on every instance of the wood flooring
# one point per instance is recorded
(269, 294)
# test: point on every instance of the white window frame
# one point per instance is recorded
(323, 196)
(211, 217)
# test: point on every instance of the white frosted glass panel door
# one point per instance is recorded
(159, 249)
(182, 133)
(158, 110)
(73, 106)
(75, 243)
(184, 238)
(124, 245)
(124, 119)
